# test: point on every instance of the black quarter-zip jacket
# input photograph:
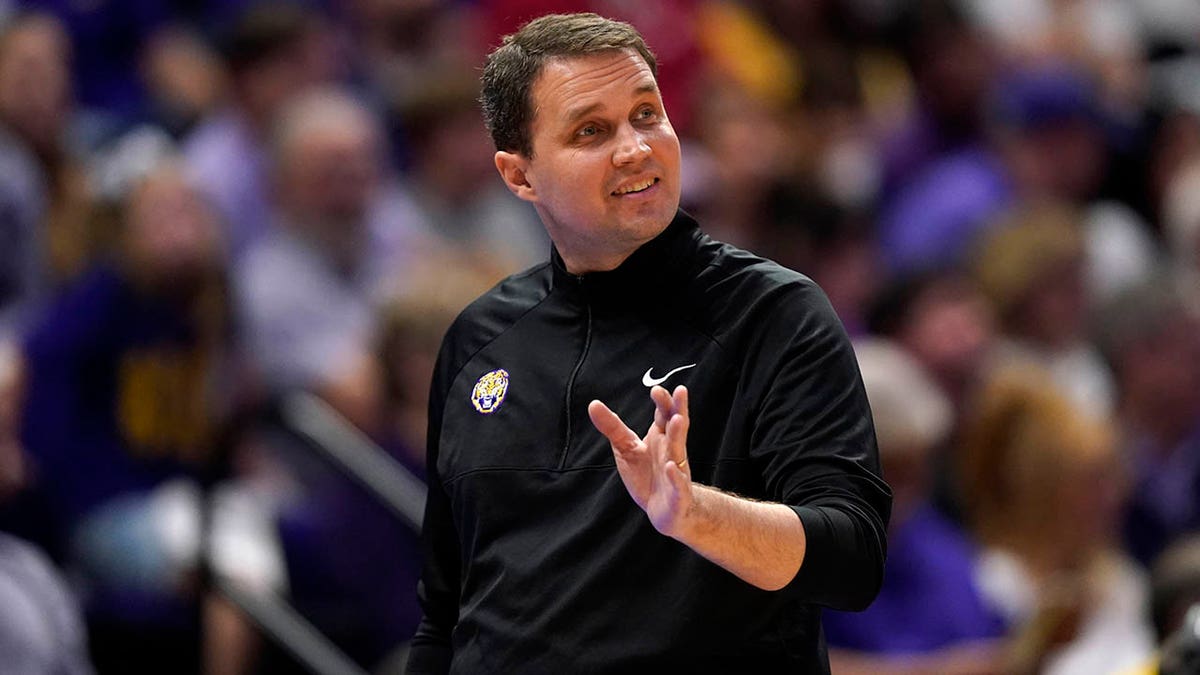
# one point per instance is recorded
(539, 561)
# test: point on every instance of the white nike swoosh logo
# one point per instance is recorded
(651, 381)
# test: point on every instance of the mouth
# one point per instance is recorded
(636, 187)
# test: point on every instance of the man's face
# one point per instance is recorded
(171, 235)
(329, 176)
(35, 81)
(604, 175)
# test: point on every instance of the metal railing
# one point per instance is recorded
(316, 422)
(324, 430)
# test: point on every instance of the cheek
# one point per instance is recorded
(573, 179)
(666, 145)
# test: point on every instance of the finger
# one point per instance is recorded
(664, 407)
(680, 400)
(609, 423)
(677, 440)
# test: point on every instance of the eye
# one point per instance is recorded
(646, 113)
(588, 130)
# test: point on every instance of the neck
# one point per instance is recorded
(603, 247)
(592, 261)
(597, 254)
(338, 240)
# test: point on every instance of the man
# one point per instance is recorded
(43, 195)
(307, 289)
(119, 421)
(541, 558)
(450, 186)
(273, 52)
(41, 625)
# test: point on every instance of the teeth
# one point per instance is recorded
(636, 187)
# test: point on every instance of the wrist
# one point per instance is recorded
(697, 520)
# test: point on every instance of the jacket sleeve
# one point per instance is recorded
(438, 590)
(814, 444)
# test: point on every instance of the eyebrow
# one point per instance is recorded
(578, 113)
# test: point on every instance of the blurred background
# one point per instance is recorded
(233, 233)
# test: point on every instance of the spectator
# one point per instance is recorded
(1045, 142)
(184, 79)
(108, 38)
(1149, 334)
(306, 293)
(398, 45)
(410, 334)
(1032, 269)
(456, 201)
(950, 630)
(942, 318)
(756, 157)
(273, 52)
(353, 566)
(1105, 36)
(41, 625)
(121, 420)
(952, 66)
(1043, 492)
(42, 194)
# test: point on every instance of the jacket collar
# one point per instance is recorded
(654, 261)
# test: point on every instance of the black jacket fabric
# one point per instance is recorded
(538, 560)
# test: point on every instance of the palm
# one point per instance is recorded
(653, 467)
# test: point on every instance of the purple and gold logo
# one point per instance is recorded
(489, 391)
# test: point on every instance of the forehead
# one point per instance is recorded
(35, 36)
(567, 83)
(168, 182)
(326, 142)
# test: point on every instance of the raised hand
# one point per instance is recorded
(654, 467)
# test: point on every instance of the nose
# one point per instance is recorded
(631, 147)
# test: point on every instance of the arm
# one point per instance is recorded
(762, 543)
(438, 589)
(814, 444)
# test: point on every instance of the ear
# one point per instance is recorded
(513, 168)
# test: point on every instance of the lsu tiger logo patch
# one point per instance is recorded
(489, 391)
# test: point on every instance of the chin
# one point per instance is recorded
(660, 212)
(645, 228)
(661, 218)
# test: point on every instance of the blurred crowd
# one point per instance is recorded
(205, 206)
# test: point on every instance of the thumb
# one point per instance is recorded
(609, 423)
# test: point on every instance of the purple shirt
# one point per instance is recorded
(929, 599)
(229, 164)
(935, 219)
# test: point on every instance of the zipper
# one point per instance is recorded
(587, 342)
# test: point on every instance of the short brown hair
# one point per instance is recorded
(266, 31)
(1021, 438)
(511, 69)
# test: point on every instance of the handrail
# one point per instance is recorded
(337, 439)
(289, 629)
(352, 451)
